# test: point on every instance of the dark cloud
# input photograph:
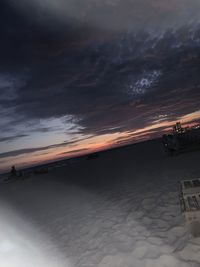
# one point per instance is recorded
(117, 85)
(74, 151)
(20, 152)
(12, 138)
(107, 83)
(115, 15)
(43, 129)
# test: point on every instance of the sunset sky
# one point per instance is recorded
(87, 75)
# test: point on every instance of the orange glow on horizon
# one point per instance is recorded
(98, 143)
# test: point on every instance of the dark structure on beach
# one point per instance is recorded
(182, 139)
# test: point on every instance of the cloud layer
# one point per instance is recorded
(115, 15)
(78, 80)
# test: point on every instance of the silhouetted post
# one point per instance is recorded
(13, 171)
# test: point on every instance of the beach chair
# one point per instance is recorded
(190, 204)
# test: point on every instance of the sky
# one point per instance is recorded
(87, 75)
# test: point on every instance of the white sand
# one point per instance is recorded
(121, 210)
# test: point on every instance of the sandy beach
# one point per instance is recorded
(119, 210)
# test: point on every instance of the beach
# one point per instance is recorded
(120, 209)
